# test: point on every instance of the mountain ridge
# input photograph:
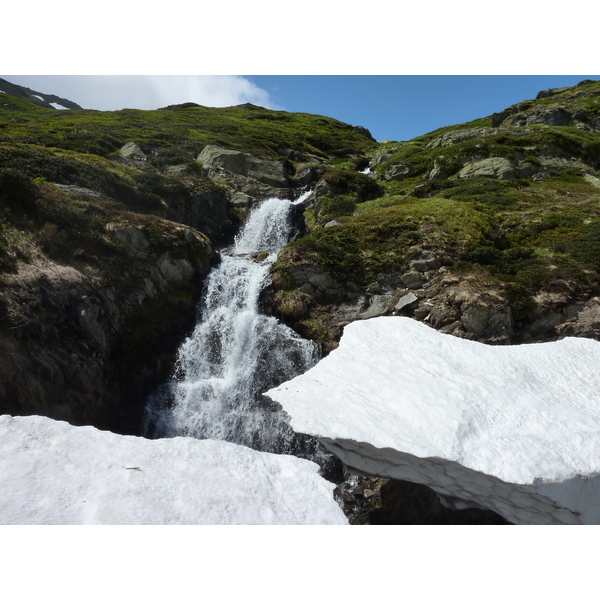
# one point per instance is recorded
(40, 98)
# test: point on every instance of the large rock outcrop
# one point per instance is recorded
(131, 155)
(249, 176)
(511, 429)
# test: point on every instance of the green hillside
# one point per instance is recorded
(510, 204)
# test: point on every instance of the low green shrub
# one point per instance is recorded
(18, 193)
(501, 261)
(347, 181)
(339, 206)
(569, 175)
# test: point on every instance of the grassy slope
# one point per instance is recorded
(179, 132)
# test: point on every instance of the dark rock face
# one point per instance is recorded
(557, 117)
(207, 211)
(76, 348)
(550, 92)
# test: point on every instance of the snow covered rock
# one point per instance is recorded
(513, 429)
(54, 473)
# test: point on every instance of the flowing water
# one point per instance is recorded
(235, 353)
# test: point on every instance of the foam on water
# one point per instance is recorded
(235, 353)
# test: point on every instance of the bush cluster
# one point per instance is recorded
(349, 181)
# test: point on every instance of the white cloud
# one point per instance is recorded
(114, 92)
(209, 90)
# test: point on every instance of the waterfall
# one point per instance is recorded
(235, 353)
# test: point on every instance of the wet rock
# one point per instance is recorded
(359, 497)
(412, 280)
(379, 305)
(407, 503)
(585, 323)
(406, 301)
(490, 323)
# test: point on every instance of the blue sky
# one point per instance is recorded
(392, 107)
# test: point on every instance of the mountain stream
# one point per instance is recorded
(235, 353)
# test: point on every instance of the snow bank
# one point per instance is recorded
(515, 429)
(54, 473)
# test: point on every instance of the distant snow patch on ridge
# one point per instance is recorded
(514, 429)
(54, 473)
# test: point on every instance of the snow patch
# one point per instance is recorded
(54, 473)
(515, 429)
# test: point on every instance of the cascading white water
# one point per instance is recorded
(235, 353)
